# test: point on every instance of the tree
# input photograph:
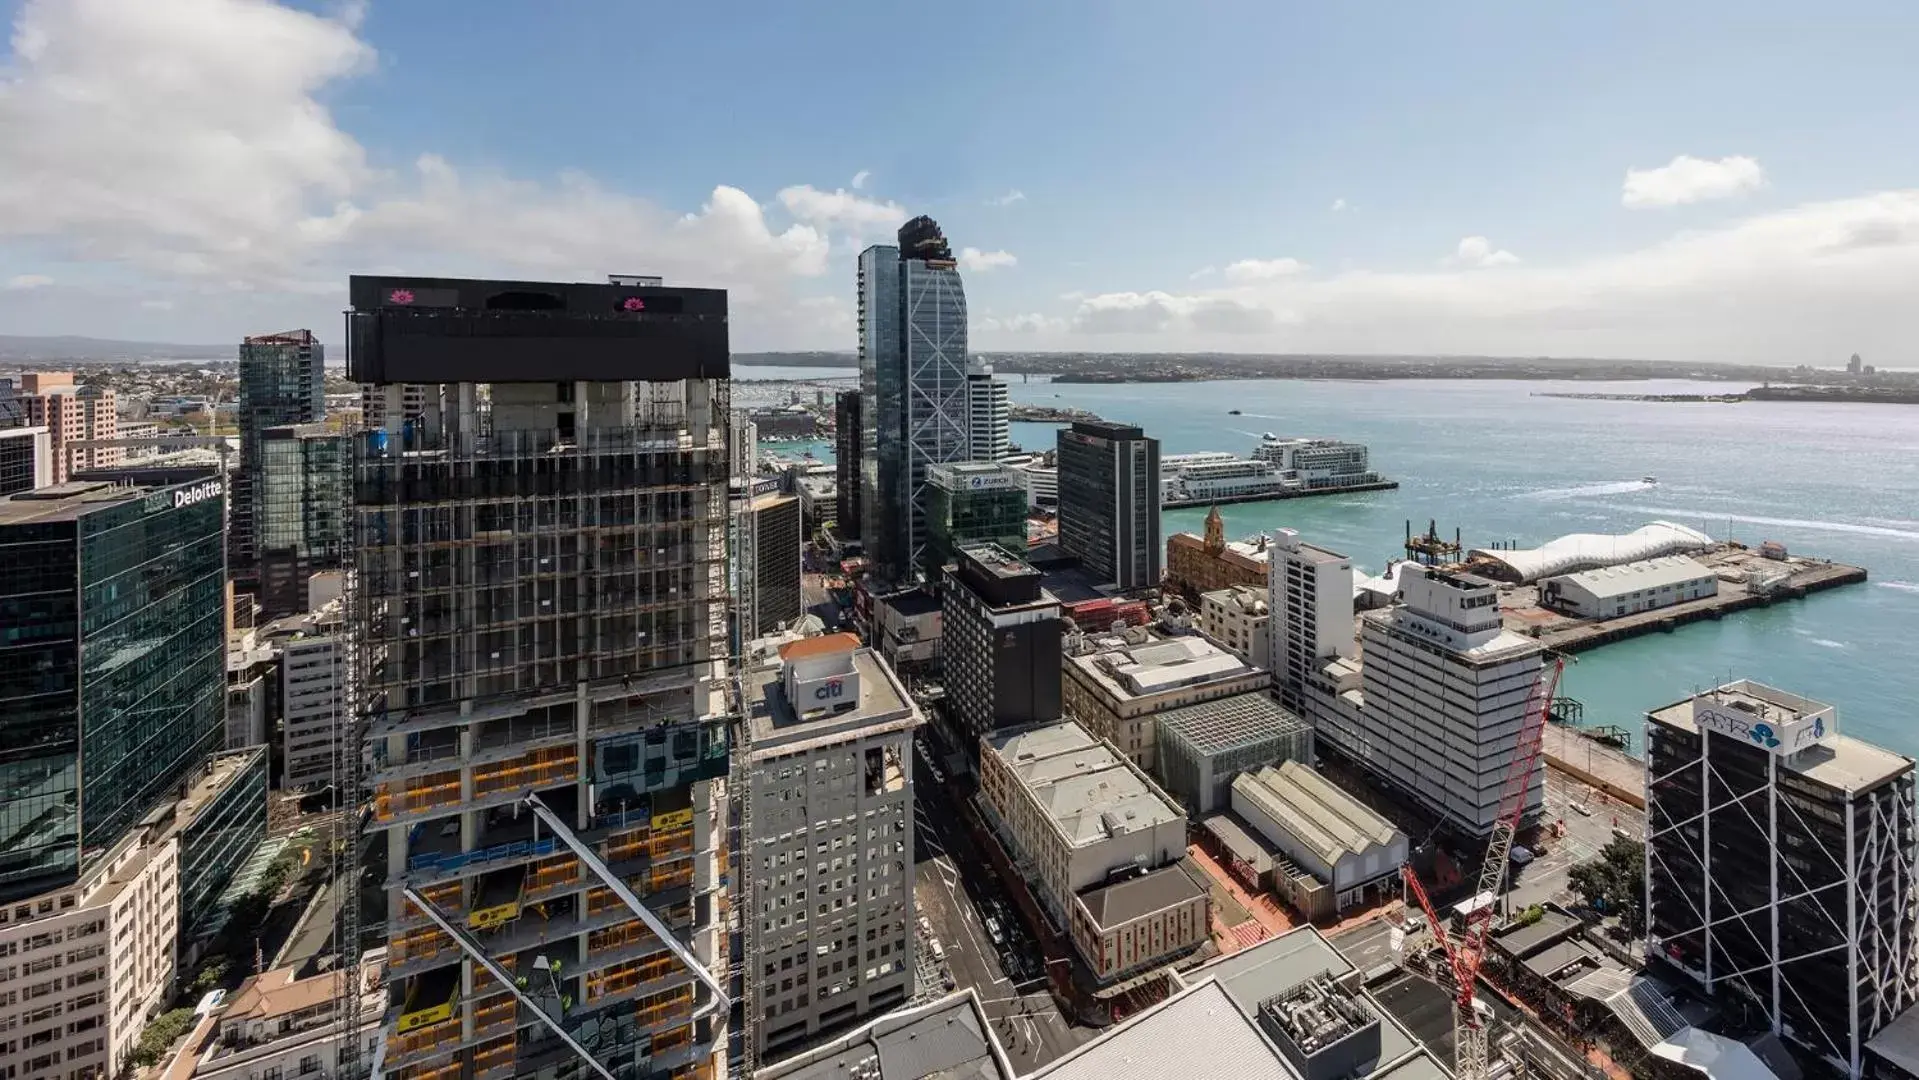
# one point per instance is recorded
(1614, 883)
(161, 1034)
(212, 971)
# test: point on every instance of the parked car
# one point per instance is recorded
(939, 951)
(1521, 855)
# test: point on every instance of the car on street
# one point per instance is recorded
(939, 951)
(993, 931)
(1521, 855)
(1582, 809)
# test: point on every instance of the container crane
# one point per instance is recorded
(1467, 948)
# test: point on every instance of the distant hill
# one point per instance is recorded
(68, 347)
(796, 359)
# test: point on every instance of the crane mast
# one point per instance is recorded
(1467, 949)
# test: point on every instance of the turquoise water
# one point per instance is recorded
(1839, 481)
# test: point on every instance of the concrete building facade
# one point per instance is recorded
(313, 694)
(1116, 684)
(1239, 618)
(1310, 598)
(71, 414)
(1446, 689)
(988, 413)
(829, 841)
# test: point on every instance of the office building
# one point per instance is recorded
(1445, 693)
(1289, 1008)
(1002, 665)
(12, 412)
(1239, 618)
(847, 419)
(988, 413)
(1100, 843)
(279, 1024)
(1198, 565)
(744, 445)
(313, 708)
(912, 327)
(282, 382)
(1202, 747)
(1611, 591)
(1310, 599)
(26, 459)
(220, 819)
(1354, 854)
(1117, 683)
(770, 540)
(908, 626)
(972, 502)
(1780, 865)
(71, 414)
(299, 508)
(373, 403)
(1109, 502)
(827, 844)
(118, 639)
(538, 615)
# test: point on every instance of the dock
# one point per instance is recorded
(1738, 566)
(1275, 496)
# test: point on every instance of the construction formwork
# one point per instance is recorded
(539, 629)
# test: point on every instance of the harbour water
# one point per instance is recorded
(1833, 480)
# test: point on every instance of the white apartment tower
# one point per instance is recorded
(989, 432)
(827, 844)
(1445, 693)
(1310, 603)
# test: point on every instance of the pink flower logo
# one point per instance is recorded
(400, 296)
(634, 303)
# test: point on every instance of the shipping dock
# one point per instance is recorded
(1289, 468)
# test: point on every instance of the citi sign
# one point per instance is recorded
(829, 691)
(196, 493)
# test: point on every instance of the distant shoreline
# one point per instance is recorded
(1854, 394)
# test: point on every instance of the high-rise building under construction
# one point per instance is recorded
(538, 609)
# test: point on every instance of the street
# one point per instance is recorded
(953, 885)
(1545, 877)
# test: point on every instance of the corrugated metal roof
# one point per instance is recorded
(1332, 822)
(1610, 581)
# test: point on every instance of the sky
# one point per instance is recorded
(1719, 180)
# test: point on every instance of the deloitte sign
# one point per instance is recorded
(201, 492)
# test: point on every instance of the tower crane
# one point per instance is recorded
(1467, 948)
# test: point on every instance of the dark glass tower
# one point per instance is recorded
(299, 509)
(1109, 502)
(281, 382)
(112, 665)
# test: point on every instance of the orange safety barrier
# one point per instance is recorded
(483, 980)
(494, 1014)
(617, 937)
(626, 845)
(418, 945)
(620, 978)
(419, 793)
(541, 768)
(673, 1040)
(552, 872)
(448, 1070)
(497, 1054)
(660, 1008)
(669, 842)
(398, 1045)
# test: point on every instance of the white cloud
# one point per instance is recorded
(28, 281)
(1688, 179)
(1340, 205)
(1782, 287)
(840, 209)
(860, 178)
(1202, 273)
(1263, 269)
(978, 261)
(190, 141)
(1026, 324)
(1477, 251)
(1008, 199)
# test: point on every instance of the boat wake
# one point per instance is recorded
(1828, 643)
(1714, 516)
(1902, 586)
(1614, 487)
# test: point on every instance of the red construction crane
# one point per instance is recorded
(1465, 950)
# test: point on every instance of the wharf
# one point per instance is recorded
(1275, 496)
(1739, 568)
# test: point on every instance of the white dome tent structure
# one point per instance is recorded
(1588, 551)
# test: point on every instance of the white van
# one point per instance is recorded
(939, 951)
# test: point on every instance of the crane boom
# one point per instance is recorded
(1465, 950)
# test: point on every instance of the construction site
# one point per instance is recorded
(539, 609)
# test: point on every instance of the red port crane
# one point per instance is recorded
(1465, 950)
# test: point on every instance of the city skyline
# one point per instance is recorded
(1487, 179)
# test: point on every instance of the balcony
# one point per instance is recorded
(400, 799)
(539, 769)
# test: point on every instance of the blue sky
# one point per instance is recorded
(1249, 177)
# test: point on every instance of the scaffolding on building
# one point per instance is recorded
(544, 591)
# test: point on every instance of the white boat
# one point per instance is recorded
(1649, 479)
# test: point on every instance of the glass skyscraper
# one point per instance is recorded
(112, 665)
(299, 512)
(281, 382)
(912, 326)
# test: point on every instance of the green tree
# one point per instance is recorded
(212, 971)
(160, 1034)
(1614, 882)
